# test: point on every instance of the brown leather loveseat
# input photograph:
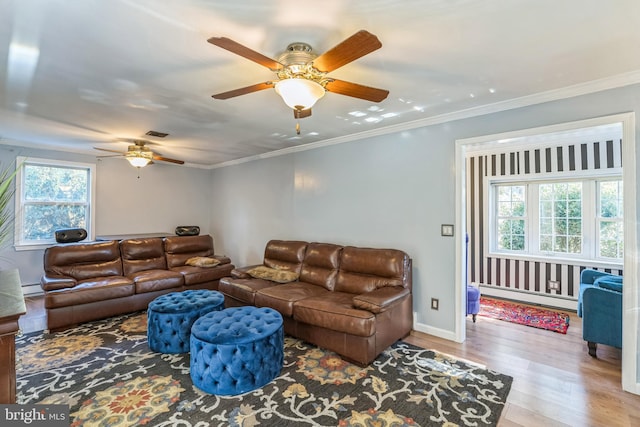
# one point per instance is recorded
(353, 301)
(95, 280)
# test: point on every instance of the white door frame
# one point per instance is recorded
(631, 303)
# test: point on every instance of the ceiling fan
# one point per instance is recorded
(302, 74)
(139, 155)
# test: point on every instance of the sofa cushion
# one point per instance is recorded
(83, 261)
(283, 297)
(335, 311)
(178, 249)
(320, 265)
(365, 269)
(613, 283)
(243, 290)
(142, 254)
(273, 274)
(202, 261)
(198, 275)
(285, 254)
(91, 290)
(156, 280)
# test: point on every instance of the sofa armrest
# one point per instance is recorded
(52, 283)
(222, 258)
(241, 272)
(379, 300)
(589, 276)
(602, 316)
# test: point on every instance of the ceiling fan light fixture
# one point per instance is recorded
(139, 160)
(299, 93)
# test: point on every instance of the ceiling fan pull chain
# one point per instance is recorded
(298, 128)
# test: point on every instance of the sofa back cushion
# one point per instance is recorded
(365, 269)
(285, 254)
(320, 265)
(178, 249)
(142, 254)
(84, 260)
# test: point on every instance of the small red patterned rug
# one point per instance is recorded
(524, 315)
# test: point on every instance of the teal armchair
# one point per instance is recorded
(600, 307)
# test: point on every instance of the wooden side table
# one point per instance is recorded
(12, 306)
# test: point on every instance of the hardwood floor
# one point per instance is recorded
(556, 382)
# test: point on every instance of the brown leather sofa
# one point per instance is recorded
(95, 280)
(353, 301)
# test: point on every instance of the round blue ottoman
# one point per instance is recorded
(170, 316)
(236, 350)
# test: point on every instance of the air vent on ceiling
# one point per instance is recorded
(157, 134)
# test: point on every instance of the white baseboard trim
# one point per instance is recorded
(32, 289)
(436, 332)
(512, 294)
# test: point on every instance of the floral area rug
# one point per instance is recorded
(107, 375)
(524, 315)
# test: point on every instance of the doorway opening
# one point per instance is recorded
(534, 155)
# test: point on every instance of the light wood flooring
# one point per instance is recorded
(556, 382)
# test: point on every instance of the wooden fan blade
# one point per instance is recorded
(243, 91)
(357, 91)
(301, 114)
(356, 46)
(166, 159)
(110, 151)
(245, 52)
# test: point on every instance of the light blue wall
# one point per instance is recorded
(388, 191)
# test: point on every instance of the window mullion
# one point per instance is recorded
(533, 211)
(589, 219)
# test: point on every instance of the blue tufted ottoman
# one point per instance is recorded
(170, 316)
(236, 350)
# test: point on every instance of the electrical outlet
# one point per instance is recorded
(553, 285)
(435, 302)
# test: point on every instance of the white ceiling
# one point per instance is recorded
(78, 74)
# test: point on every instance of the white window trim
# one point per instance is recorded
(21, 160)
(530, 239)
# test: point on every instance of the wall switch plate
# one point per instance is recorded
(553, 285)
(446, 229)
(435, 303)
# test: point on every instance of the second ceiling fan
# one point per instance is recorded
(302, 74)
(139, 155)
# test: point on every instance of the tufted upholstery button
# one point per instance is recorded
(170, 316)
(236, 350)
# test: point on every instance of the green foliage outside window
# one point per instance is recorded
(53, 198)
(610, 219)
(511, 217)
(561, 217)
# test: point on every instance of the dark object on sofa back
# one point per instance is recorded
(70, 235)
(187, 230)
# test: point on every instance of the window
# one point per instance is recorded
(561, 217)
(511, 217)
(51, 195)
(610, 229)
(556, 218)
